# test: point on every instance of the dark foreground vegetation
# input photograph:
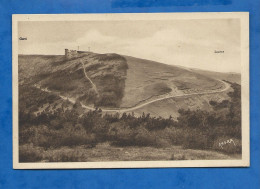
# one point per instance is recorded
(63, 127)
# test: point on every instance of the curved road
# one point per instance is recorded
(227, 86)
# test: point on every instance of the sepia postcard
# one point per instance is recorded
(130, 90)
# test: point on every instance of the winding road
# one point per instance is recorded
(227, 86)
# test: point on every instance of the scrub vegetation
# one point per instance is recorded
(47, 136)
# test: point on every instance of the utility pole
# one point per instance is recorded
(89, 49)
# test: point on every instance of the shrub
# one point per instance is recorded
(69, 135)
(178, 157)
(65, 155)
(27, 153)
(173, 135)
(144, 138)
(121, 134)
(194, 129)
(195, 139)
(74, 140)
(25, 134)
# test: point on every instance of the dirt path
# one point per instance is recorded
(227, 86)
(92, 83)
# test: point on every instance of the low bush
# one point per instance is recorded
(196, 139)
(27, 153)
(173, 135)
(178, 157)
(194, 130)
(144, 138)
(31, 153)
(123, 135)
(69, 135)
(64, 155)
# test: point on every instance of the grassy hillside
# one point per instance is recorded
(66, 77)
(169, 107)
(231, 77)
(147, 79)
(123, 82)
(32, 65)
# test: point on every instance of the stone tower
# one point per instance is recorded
(67, 53)
(70, 53)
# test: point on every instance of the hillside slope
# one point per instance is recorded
(74, 78)
(148, 79)
(118, 83)
(231, 77)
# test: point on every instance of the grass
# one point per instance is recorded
(169, 107)
(107, 71)
(106, 152)
(122, 81)
(55, 136)
(231, 77)
(143, 77)
(31, 65)
(28, 153)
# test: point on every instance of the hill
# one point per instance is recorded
(74, 78)
(231, 77)
(119, 83)
(174, 112)
(147, 79)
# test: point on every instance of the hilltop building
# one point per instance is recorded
(73, 53)
(70, 53)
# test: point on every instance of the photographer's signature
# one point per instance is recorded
(229, 141)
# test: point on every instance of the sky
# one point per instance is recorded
(188, 43)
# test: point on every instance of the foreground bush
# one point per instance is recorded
(28, 153)
(125, 136)
(65, 155)
(70, 135)
(31, 153)
(196, 139)
(195, 129)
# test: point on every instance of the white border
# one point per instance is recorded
(244, 18)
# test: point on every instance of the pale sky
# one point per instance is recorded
(189, 43)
